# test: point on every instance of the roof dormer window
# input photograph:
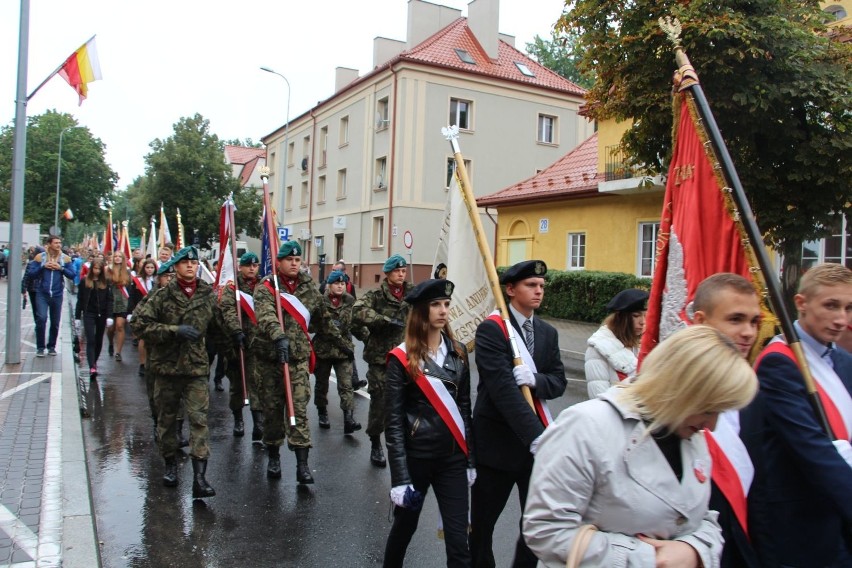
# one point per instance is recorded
(465, 57)
(524, 69)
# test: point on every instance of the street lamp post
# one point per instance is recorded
(286, 138)
(58, 175)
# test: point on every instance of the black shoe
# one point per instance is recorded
(239, 425)
(257, 427)
(303, 472)
(349, 424)
(323, 419)
(135, 343)
(273, 465)
(170, 476)
(111, 349)
(217, 384)
(377, 456)
(200, 487)
(358, 384)
(182, 442)
(142, 370)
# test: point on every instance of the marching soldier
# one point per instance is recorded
(334, 353)
(246, 282)
(382, 311)
(174, 323)
(302, 309)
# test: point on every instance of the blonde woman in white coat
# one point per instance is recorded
(611, 355)
(634, 462)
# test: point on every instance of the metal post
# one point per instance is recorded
(285, 165)
(58, 175)
(16, 206)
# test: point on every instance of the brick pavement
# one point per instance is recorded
(45, 508)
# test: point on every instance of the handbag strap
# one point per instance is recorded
(579, 545)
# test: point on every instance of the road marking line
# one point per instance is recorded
(21, 535)
(25, 385)
(50, 525)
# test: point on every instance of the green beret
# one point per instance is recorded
(394, 262)
(290, 248)
(186, 253)
(248, 259)
(336, 276)
(523, 270)
(166, 268)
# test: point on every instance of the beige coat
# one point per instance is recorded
(595, 465)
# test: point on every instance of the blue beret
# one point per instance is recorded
(336, 276)
(429, 290)
(249, 258)
(290, 248)
(630, 300)
(394, 262)
(524, 270)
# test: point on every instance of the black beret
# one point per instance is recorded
(524, 270)
(630, 300)
(429, 290)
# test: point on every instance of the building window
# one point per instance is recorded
(465, 57)
(288, 198)
(381, 174)
(835, 248)
(451, 170)
(378, 235)
(344, 131)
(341, 184)
(647, 249)
(303, 201)
(323, 146)
(460, 113)
(291, 149)
(576, 251)
(306, 151)
(271, 163)
(382, 119)
(546, 129)
(524, 69)
(837, 12)
(321, 189)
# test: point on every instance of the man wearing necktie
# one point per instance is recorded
(505, 429)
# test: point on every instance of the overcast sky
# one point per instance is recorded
(165, 60)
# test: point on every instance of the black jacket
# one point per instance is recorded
(412, 425)
(95, 301)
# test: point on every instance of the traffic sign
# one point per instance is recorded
(283, 234)
(408, 239)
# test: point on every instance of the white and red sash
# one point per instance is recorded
(439, 397)
(140, 286)
(733, 470)
(124, 292)
(247, 306)
(835, 399)
(540, 404)
(300, 314)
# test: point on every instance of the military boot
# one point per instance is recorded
(377, 455)
(257, 427)
(323, 418)
(349, 424)
(170, 476)
(200, 487)
(303, 472)
(156, 431)
(273, 465)
(181, 440)
(239, 426)
(217, 384)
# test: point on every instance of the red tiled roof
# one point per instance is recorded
(248, 170)
(243, 154)
(573, 175)
(439, 50)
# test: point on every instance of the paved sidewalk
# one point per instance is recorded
(46, 516)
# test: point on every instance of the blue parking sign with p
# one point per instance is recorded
(283, 234)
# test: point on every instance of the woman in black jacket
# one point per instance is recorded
(94, 305)
(427, 425)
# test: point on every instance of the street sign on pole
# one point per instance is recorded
(283, 234)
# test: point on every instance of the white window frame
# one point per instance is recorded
(546, 121)
(456, 113)
(576, 251)
(380, 183)
(642, 248)
(341, 183)
(344, 131)
(377, 235)
(382, 113)
(451, 171)
(819, 246)
(291, 150)
(304, 196)
(288, 198)
(321, 189)
(323, 146)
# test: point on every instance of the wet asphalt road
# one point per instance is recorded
(341, 521)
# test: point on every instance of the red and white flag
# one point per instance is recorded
(226, 268)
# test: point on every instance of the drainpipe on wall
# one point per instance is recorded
(392, 163)
(496, 235)
(311, 184)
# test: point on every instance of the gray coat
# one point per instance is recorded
(595, 465)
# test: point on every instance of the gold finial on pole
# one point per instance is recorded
(685, 76)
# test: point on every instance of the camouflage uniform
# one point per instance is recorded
(337, 352)
(375, 310)
(269, 372)
(180, 367)
(228, 304)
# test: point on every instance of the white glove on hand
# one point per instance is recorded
(534, 445)
(524, 376)
(844, 449)
(129, 317)
(397, 494)
(110, 322)
(471, 476)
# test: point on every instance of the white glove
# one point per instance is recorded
(844, 449)
(397, 494)
(129, 317)
(523, 376)
(110, 322)
(471, 476)
(534, 445)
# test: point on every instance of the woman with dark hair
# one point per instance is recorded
(144, 281)
(120, 280)
(611, 355)
(94, 304)
(427, 425)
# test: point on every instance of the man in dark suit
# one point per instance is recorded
(505, 428)
(800, 503)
